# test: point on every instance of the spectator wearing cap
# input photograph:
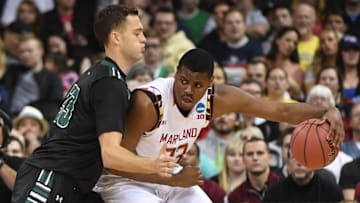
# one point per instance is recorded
(8, 164)
(32, 125)
(348, 62)
(12, 34)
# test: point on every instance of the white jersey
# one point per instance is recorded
(174, 129)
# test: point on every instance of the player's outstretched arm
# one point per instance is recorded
(233, 99)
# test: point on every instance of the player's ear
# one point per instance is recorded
(115, 37)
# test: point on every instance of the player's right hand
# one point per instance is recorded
(164, 164)
(189, 176)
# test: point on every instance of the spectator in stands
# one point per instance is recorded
(33, 126)
(319, 8)
(304, 21)
(256, 156)
(211, 188)
(277, 84)
(238, 49)
(214, 28)
(11, 36)
(224, 129)
(72, 19)
(256, 24)
(330, 77)
(325, 55)
(257, 70)
(14, 147)
(284, 142)
(37, 86)
(57, 63)
(349, 177)
(139, 75)
(283, 54)
(174, 43)
(348, 62)
(28, 13)
(57, 43)
(352, 147)
(321, 95)
(335, 19)
(219, 75)
(352, 13)
(153, 56)
(10, 6)
(268, 129)
(278, 15)
(302, 185)
(233, 171)
(193, 17)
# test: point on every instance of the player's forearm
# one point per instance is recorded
(121, 159)
(8, 175)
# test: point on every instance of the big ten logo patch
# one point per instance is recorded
(200, 109)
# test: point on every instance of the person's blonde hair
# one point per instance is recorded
(223, 175)
(31, 36)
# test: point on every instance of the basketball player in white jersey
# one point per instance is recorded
(172, 111)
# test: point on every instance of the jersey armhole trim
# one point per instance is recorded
(158, 105)
(209, 103)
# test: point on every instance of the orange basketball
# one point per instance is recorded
(309, 145)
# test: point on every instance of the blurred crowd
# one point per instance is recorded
(280, 50)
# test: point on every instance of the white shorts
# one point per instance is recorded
(116, 189)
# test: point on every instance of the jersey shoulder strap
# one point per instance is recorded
(156, 100)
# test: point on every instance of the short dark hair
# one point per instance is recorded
(110, 18)
(197, 60)
(256, 139)
(248, 81)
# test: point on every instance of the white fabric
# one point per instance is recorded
(115, 189)
(335, 166)
(177, 131)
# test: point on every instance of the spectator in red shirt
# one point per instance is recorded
(256, 156)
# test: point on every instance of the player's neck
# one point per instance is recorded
(122, 63)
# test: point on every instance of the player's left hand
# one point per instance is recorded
(164, 164)
(337, 132)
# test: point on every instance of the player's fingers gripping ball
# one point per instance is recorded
(310, 146)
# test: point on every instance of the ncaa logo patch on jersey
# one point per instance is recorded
(200, 108)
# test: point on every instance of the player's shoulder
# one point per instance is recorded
(105, 68)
